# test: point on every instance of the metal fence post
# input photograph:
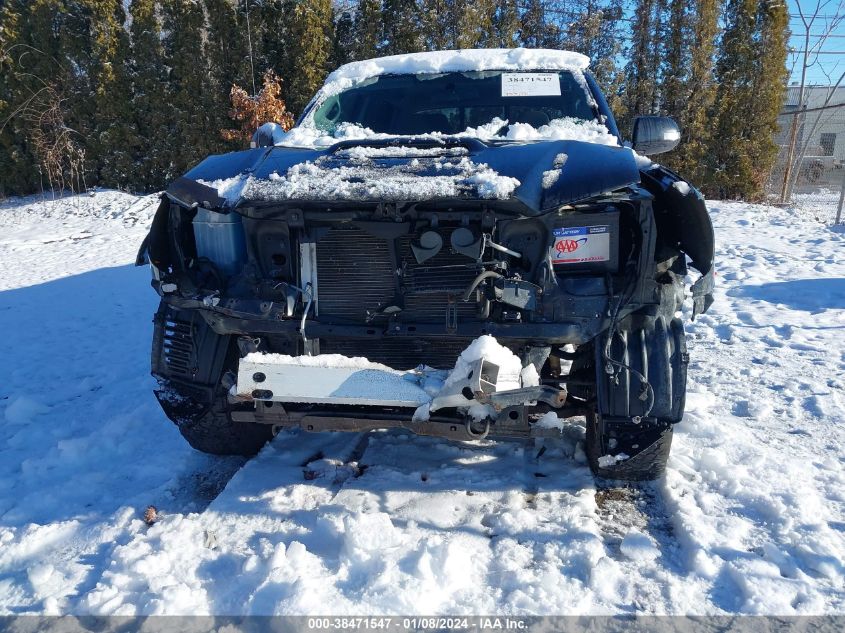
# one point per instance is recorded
(841, 200)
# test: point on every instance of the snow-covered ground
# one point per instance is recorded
(749, 519)
(821, 204)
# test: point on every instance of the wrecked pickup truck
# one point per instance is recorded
(423, 203)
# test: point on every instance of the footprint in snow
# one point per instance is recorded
(639, 547)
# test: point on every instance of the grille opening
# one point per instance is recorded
(177, 347)
(360, 275)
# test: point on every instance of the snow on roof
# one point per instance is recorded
(462, 61)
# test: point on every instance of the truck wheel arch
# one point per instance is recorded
(683, 222)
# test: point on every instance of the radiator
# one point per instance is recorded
(359, 274)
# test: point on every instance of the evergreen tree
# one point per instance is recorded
(658, 52)
(369, 29)
(640, 79)
(144, 106)
(150, 110)
(751, 76)
(344, 41)
(475, 23)
(692, 156)
(533, 29)
(62, 29)
(110, 151)
(51, 58)
(272, 37)
(401, 27)
(769, 89)
(732, 167)
(593, 28)
(190, 125)
(506, 24)
(310, 49)
(536, 31)
(674, 80)
(608, 69)
(436, 21)
(227, 52)
(17, 162)
(458, 24)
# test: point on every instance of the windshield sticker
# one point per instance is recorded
(580, 244)
(530, 85)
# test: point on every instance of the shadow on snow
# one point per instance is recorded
(810, 295)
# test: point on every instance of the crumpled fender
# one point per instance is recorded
(154, 248)
(682, 220)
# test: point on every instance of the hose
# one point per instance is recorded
(487, 274)
(306, 292)
(310, 295)
(488, 241)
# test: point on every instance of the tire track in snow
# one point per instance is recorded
(624, 506)
(754, 487)
(441, 496)
(518, 514)
(545, 551)
(639, 536)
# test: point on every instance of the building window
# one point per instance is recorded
(827, 142)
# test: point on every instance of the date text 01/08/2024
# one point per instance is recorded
(417, 623)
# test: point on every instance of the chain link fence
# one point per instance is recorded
(810, 168)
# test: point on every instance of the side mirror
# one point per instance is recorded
(268, 135)
(655, 135)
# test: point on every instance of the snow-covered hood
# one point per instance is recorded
(532, 177)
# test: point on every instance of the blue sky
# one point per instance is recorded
(833, 64)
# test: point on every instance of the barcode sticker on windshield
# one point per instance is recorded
(530, 85)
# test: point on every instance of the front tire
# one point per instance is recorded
(189, 360)
(210, 428)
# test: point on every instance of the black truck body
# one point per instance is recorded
(409, 279)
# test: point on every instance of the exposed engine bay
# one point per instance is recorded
(412, 285)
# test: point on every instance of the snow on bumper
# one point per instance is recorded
(476, 389)
(329, 379)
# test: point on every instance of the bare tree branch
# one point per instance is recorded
(810, 16)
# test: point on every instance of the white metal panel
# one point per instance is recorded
(328, 385)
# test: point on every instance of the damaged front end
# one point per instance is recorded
(467, 403)
(410, 284)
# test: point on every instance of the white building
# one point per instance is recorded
(820, 136)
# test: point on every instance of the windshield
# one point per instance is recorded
(450, 103)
